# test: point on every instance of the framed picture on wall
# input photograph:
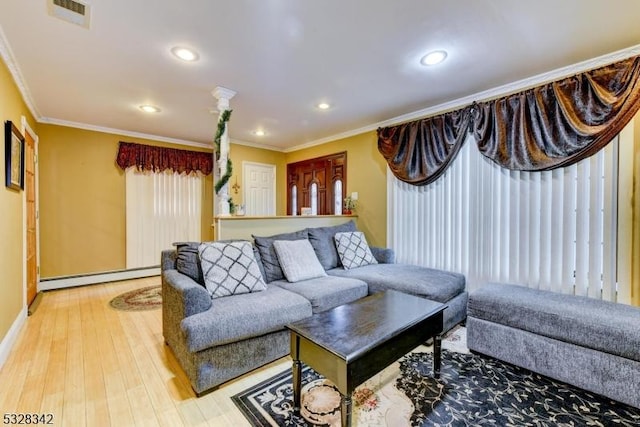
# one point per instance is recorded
(14, 156)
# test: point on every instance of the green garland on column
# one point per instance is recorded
(225, 178)
(222, 125)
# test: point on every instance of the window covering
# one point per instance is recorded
(560, 123)
(544, 128)
(158, 159)
(419, 152)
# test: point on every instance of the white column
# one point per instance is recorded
(223, 95)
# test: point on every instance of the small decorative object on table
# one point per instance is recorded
(349, 205)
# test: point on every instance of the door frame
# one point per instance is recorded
(25, 128)
(245, 164)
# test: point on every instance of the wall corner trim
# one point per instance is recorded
(9, 340)
(95, 278)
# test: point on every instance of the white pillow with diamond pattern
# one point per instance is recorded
(298, 260)
(230, 268)
(353, 249)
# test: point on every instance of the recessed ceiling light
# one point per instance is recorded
(185, 54)
(258, 133)
(323, 106)
(433, 58)
(149, 108)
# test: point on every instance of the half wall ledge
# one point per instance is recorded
(243, 227)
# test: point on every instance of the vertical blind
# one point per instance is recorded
(162, 208)
(553, 230)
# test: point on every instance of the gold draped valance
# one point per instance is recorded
(547, 127)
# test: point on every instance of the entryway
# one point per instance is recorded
(259, 182)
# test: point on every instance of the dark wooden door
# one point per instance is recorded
(316, 176)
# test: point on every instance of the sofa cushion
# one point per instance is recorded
(230, 268)
(600, 325)
(268, 254)
(326, 292)
(188, 262)
(239, 317)
(298, 260)
(436, 285)
(353, 249)
(321, 239)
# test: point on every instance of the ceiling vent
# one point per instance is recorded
(71, 11)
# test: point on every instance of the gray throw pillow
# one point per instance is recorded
(272, 270)
(298, 260)
(230, 269)
(256, 254)
(354, 250)
(188, 262)
(323, 243)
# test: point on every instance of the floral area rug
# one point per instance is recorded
(473, 390)
(148, 298)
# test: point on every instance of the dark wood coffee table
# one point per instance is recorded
(351, 343)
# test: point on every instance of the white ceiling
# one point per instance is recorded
(284, 56)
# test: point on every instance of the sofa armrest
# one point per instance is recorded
(181, 297)
(180, 292)
(383, 255)
(168, 258)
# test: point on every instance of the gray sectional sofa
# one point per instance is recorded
(218, 339)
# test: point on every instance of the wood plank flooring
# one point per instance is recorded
(91, 365)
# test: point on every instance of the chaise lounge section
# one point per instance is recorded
(589, 343)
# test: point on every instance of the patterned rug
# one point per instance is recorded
(148, 298)
(472, 390)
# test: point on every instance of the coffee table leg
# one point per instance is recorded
(437, 347)
(297, 383)
(345, 410)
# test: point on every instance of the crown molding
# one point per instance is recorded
(256, 145)
(9, 59)
(332, 138)
(77, 125)
(7, 55)
(486, 95)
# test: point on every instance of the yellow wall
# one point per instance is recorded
(12, 107)
(366, 174)
(82, 201)
(240, 153)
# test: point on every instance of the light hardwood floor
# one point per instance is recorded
(88, 364)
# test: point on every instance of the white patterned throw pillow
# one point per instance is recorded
(353, 249)
(230, 269)
(298, 260)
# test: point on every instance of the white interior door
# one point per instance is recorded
(259, 182)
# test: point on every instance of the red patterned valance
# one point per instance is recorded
(149, 157)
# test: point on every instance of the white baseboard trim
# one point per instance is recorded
(12, 335)
(91, 279)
